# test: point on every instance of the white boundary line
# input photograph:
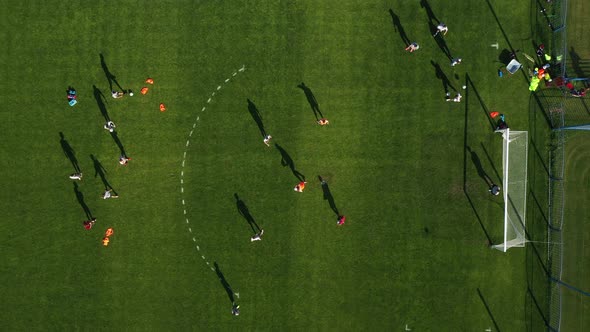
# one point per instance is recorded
(184, 204)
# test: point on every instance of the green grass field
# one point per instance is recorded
(402, 164)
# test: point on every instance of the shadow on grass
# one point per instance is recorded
(99, 170)
(466, 151)
(485, 304)
(440, 74)
(80, 198)
(313, 103)
(328, 195)
(431, 17)
(224, 283)
(245, 212)
(110, 77)
(286, 160)
(397, 26)
(100, 101)
(115, 137)
(255, 113)
(69, 152)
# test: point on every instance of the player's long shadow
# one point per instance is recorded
(465, 158)
(118, 142)
(442, 44)
(397, 26)
(484, 108)
(245, 212)
(110, 77)
(478, 166)
(328, 195)
(485, 304)
(99, 170)
(80, 198)
(440, 74)
(431, 17)
(313, 103)
(498, 177)
(69, 152)
(288, 161)
(224, 283)
(257, 117)
(99, 96)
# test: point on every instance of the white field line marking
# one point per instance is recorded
(183, 164)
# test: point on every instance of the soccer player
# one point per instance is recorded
(494, 190)
(123, 160)
(441, 27)
(107, 194)
(413, 47)
(323, 122)
(235, 310)
(110, 126)
(105, 241)
(257, 236)
(89, 223)
(76, 176)
(456, 61)
(267, 139)
(300, 186)
(109, 232)
(341, 220)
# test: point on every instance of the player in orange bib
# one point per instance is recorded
(105, 241)
(300, 186)
(323, 122)
(109, 232)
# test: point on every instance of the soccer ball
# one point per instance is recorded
(131, 94)
(464, 87)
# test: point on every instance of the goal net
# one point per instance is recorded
(514, 164)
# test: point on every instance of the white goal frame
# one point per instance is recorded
(515, 145)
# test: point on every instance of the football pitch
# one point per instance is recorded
(408, 169)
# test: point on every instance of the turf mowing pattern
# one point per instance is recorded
(414, 249)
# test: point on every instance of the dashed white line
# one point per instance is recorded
(184, 162)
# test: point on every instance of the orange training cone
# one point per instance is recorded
(494, 114)
(144, 90)
(149, 81)
(162, 108)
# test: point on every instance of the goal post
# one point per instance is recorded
(514, 172)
